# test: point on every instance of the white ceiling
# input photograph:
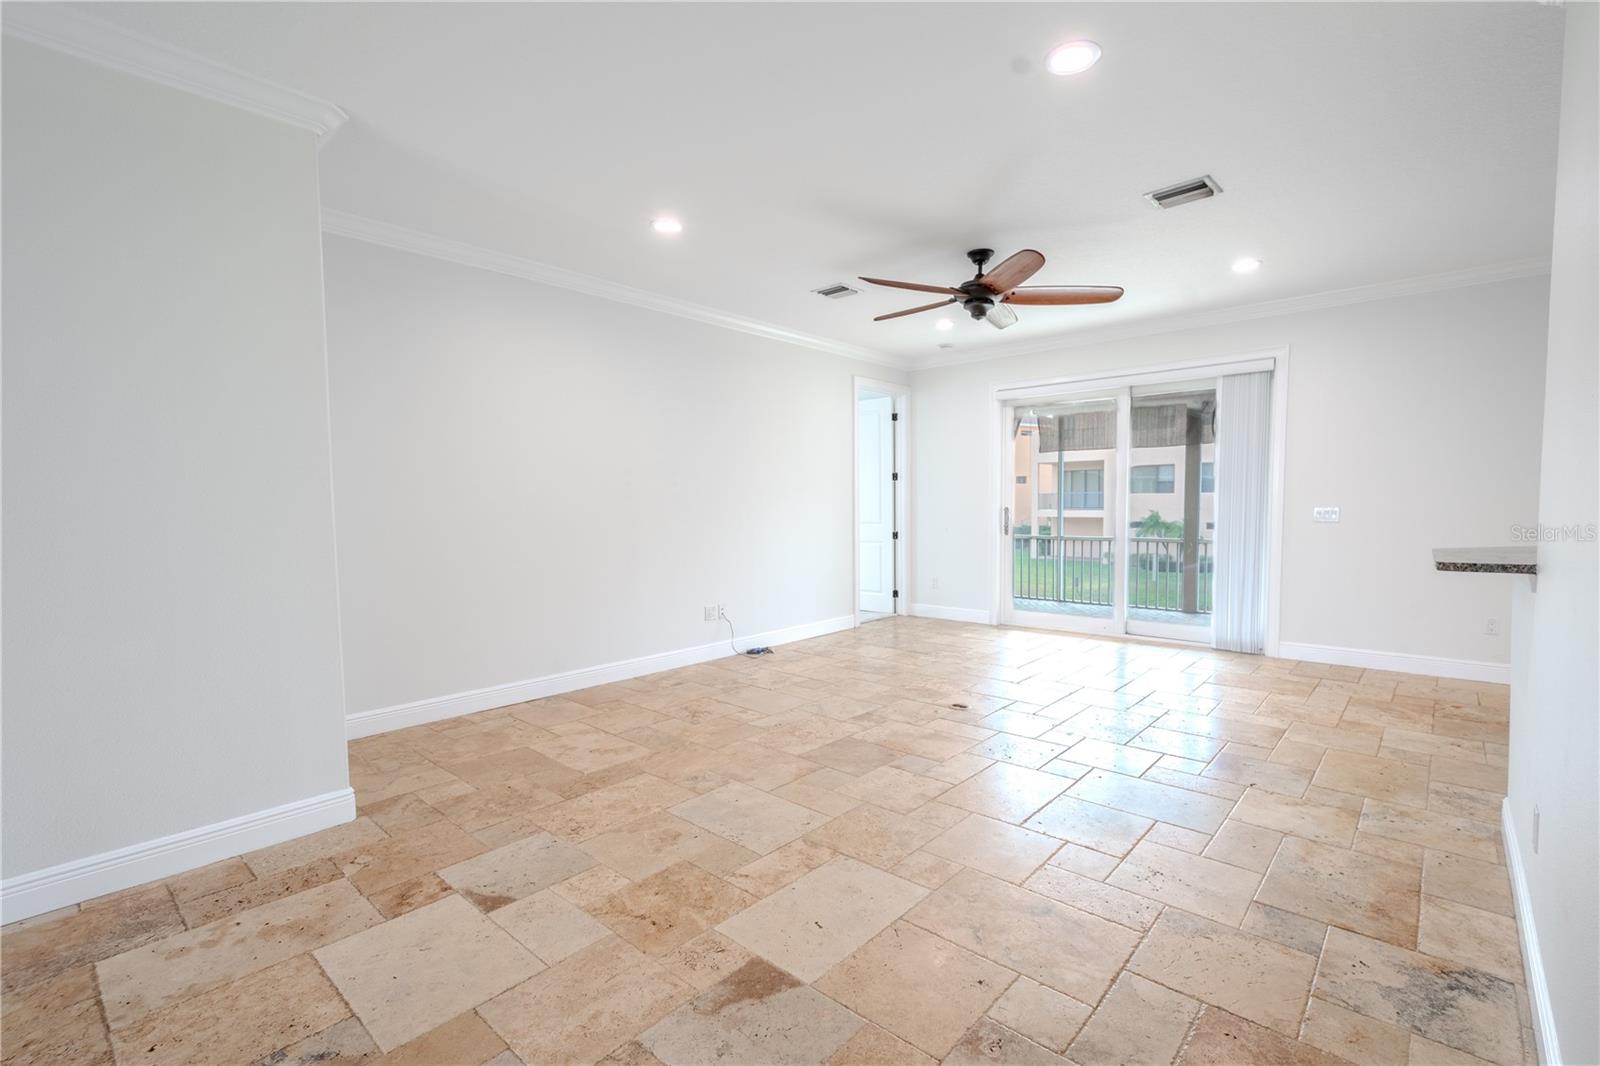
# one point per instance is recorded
(803, 144)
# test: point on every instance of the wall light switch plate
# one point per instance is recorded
(1324, 514)
(713, 613)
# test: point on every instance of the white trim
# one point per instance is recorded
(1397, 662)
(1544, 1018)
(952, 614)
(68, 30)
(1155, 326)
(359, 228)
(437, 708)
(1111, 381)
(900, 395)
(111, 871)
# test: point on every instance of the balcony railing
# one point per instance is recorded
(1080, 570)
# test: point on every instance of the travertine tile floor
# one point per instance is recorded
(914, 842)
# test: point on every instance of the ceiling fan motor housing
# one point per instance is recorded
(977, 306)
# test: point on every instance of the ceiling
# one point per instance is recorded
(804, 144)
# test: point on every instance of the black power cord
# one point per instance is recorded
(759, 649)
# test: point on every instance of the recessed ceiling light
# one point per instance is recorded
(944, 324)
(1247, 265)
(1074, 57)
(667, 226)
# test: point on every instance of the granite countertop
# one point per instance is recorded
(1519, 559)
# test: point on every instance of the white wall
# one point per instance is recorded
(170, 616)
(532, 481)
(1418, 416)
(1555, 695)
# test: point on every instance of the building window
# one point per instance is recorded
(1208, 477)
(1022, 479)
(1152, 478)
(1085, 490)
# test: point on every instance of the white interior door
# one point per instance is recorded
(875, 503)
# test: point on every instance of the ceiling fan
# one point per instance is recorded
(987, 294)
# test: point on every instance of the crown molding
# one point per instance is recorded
(64, 29)
(1152, 327)
(361, 228)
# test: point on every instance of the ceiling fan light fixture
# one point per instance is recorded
(944, 325)
(667, 226)
(1073, 57)
(1246, 265)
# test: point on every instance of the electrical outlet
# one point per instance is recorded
(713, 612)
(1493, 627)
(722, 612)
(1324, 514)
(1536, 829)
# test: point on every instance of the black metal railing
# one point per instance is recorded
(1079, 570)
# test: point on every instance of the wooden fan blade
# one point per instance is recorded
(1013, 271)
(915, 310)
(1065, 294)
(913, 286)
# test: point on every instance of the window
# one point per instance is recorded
(1151, 478)
(1208, 477)
(1022, 479)
(1085, 490)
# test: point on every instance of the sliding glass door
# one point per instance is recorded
(1110, 513)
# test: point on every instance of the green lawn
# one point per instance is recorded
(1088, 581)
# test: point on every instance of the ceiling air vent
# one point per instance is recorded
(836, 292)
(1201, 188)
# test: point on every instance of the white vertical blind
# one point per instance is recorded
(1243, 490)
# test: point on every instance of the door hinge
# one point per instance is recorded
(894, 416)
(895, 594)
(895, 476)
(895, 535)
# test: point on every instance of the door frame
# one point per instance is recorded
(900, 394)
(1004, 393)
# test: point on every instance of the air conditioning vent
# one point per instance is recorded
(1201, 188)
(836, 292)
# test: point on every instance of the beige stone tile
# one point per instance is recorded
(757, 1014)
(406, 856)
(466, 1038)
(1464, 802)
(1256, 771)
(1084, 861)
(1018, 751)
(853, 755)
(650, 845)
(1023, 931)
(585, 1005)
(1138, 1022)
(591, 887)
(918, 986)
(1448, 771)
(407, 896)
(549, 926)
(894, 789)
(506, 874)
(1481, 939)
(200, 909)
(1425, 1052)
(1313, 821)
(139, 982)
(874, 835)
(1150, 799)
(1245, 974)
(997, 848)
(39, 950)
(1175, 836)
(1186, 746)
(872, 1046)
(1432, 744)
(1341, 887)
(1285, 927)
(491, 803)
(1429, 829)
(56, 1020)
(1041, 1014)
(590, 750)
(1203, 886)
(808, 926)
(210, 880)
(1353, 1037)
(989, 1043)
(1241, 844)
(1443, 1001)
(1009, 793)
(926, 869)
(749, 817)
(1223, 1039)
(771, 872)
(1338, 737)
(610, 808)
(1368, 775)
(1178, 777)
(1294, 753)
(1090, 824)
(325, 844)
(1107, 901)
(341, 1043)
(705, 960)
(415, 972)
(1484, 885)
(823, 800)
(238, 1022)
(666, 909)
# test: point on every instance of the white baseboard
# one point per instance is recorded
(438, 708)
(1544, 1021)
(950, 614)
(1461, 669)
(111, 871)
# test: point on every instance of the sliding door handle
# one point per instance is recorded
(1005, 520)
